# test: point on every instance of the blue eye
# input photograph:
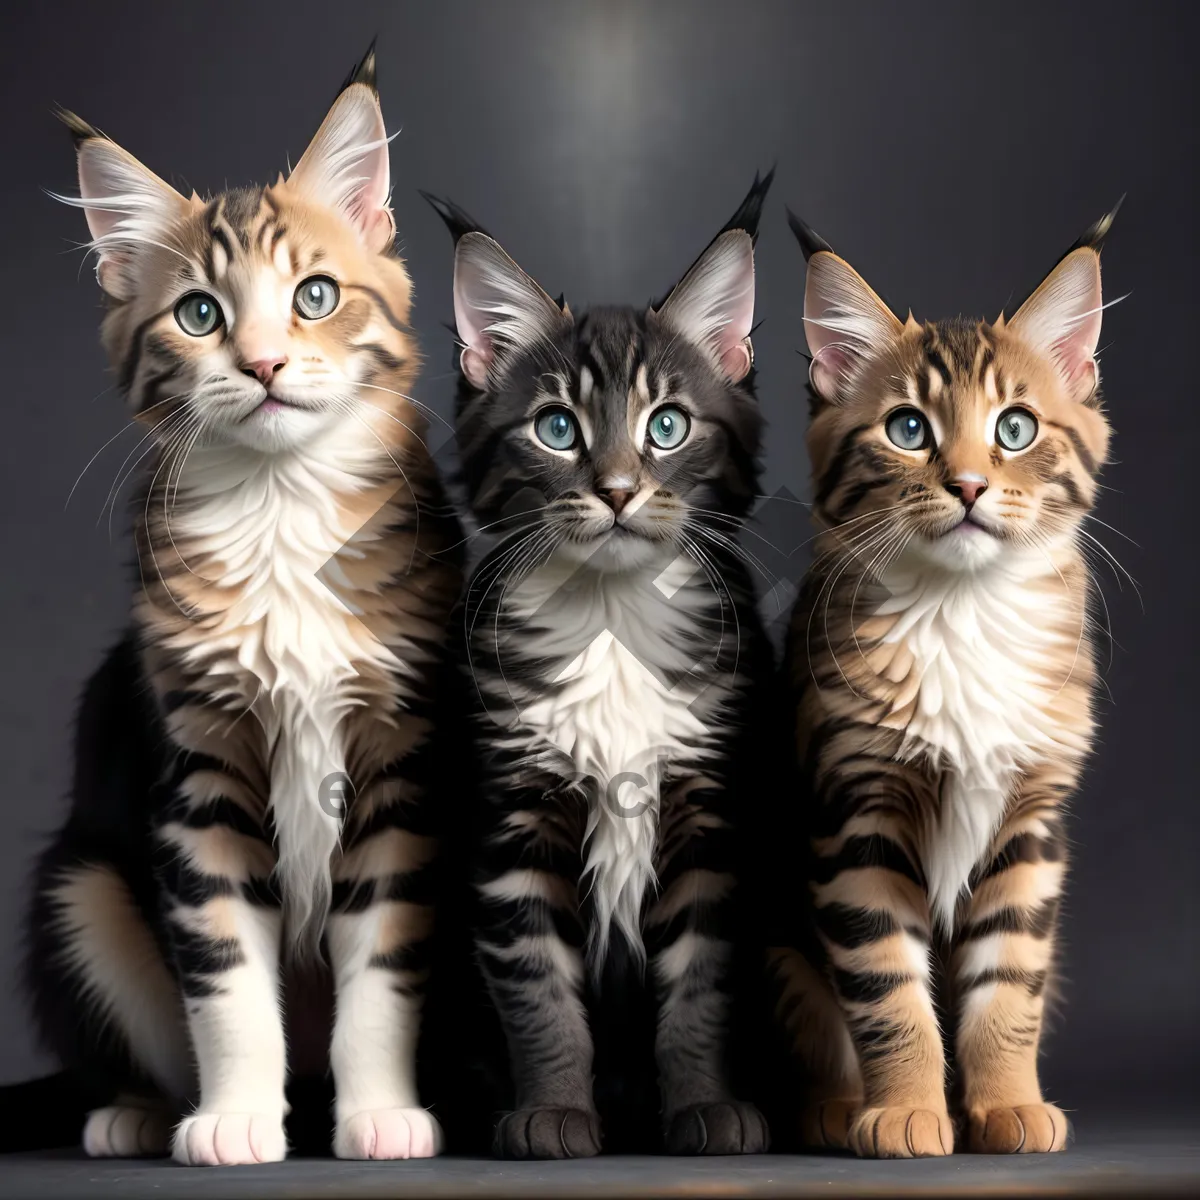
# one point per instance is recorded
(316, 297)
(556, 428)
(908, 429)
(198, 314)
(1016, 428)
(668, 427)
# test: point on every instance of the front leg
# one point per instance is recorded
(1001, 963)
(381, 919)
(687, 934)
(872, 914)
(224, 926)
(529, 941)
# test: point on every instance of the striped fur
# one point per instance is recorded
(614, 653)
(941, 659)
(289, 622)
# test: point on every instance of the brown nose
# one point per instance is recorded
(264, 369)
(615, 498)
(968, 488)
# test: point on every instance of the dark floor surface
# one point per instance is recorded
(1108, 1161)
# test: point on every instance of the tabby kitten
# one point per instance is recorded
(614, 651)
(941, 657)
(262, 799)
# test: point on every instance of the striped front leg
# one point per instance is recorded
(687, 936)
(873, 917)
(377, 935)
(224, 922)
(530, 944)
(1002, 960)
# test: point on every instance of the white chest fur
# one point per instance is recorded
(615, 708)
(985, 654)
(284, 636)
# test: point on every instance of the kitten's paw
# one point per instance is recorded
(826, 1124)
(227, 1139)
(547, 1133)
(388, 1133)
(126, 1131)
(732, 1127)
(1026, 1129)
(901, 1133)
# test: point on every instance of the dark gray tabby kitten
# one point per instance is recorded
(615, 658)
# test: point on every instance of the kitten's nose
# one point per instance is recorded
(615, 498)
(264, 369)
(968, 488)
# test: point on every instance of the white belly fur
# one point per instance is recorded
(275, 524)
(982, 712)
(614, 715)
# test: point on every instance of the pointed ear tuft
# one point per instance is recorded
(713, 304)
(125, 203)
(1062, 320)
(845, 323)
(811, 242)
(749, 212)
(1062, 317)
(497, 307)
(346, 165)
(365, 71)
(458, 221)
(78, 128)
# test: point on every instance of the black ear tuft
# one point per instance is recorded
(1093, 237)
(750, 210)
(364, 72)
(459, 222)
(811, 242)
(80, 130)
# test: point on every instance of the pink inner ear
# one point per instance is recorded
(1079, 373)
(474, 366)
(830, 366)
(736, 362)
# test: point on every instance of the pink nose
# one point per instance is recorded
(968, 488)
(264, 369)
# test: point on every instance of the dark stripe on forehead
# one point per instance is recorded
(934, 357)
(239, 208)
(217, 236)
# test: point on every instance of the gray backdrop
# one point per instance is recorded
(950, 151)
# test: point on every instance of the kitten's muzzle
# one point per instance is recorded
(615, 498)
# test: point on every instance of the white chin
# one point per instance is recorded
(616, 552)
(960, 550)
(281, 430)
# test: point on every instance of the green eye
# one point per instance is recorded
(1016, 428)
(908, 429)
(198, 314)
(556, 428)
(668, 428)
(316, 297)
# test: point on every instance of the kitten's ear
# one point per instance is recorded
(713, 304)
(497, 306)
(844, 320)
(125, 204)
(1062, 317)
(346, 165)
